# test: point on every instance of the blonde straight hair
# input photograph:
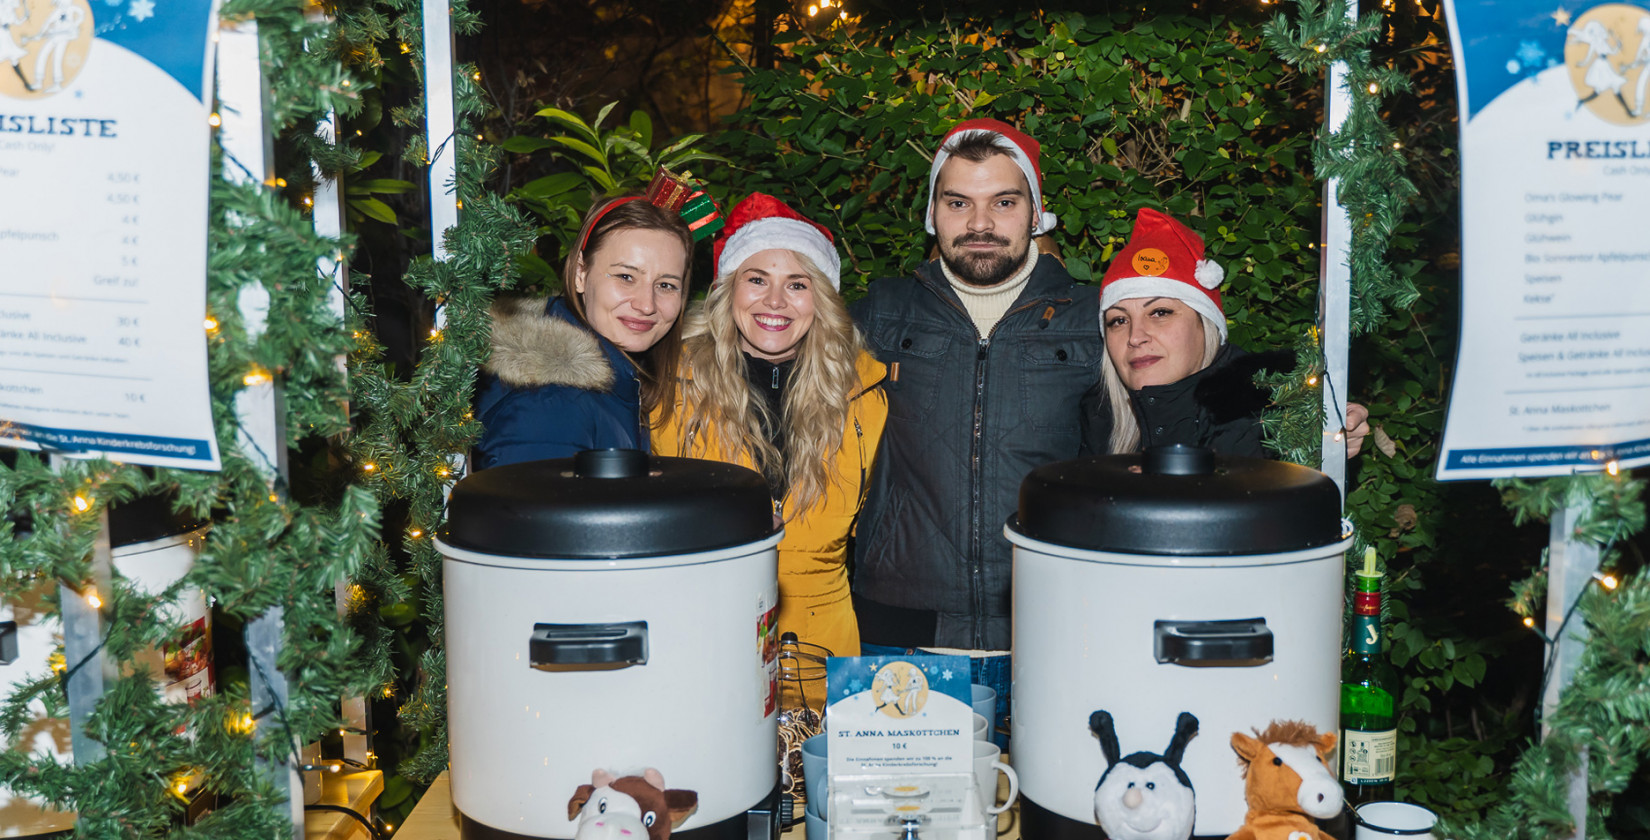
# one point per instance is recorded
(1125, 427)
(719, 401)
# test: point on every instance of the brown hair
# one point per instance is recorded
(976, 146)
(611, 215)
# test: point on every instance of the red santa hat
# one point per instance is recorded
(762, 222)
(1017, 145)
(1164, 258)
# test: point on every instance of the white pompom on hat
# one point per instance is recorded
(762, 223)
(1018, 145)
(1164, 258)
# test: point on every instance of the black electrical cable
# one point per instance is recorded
(1553, 642)
(372, 830)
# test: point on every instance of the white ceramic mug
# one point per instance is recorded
(988, 760)
(984, 700)
(1393, 821)
(982, 728)
(814, 773)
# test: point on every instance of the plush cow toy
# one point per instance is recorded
(1144, 796)
(1286, 781)
(629, 807)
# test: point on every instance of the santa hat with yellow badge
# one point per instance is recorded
(1164, 258)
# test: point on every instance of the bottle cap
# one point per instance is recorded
(1367, 599)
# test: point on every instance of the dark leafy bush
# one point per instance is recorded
(1191, 115)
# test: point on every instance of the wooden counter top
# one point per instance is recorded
(434, 818)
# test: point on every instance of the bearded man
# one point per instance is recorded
(989, 348)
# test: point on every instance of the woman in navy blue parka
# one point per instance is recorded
(581, 371)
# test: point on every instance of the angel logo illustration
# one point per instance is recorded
(1641, 62)
(900, 690)
(13, 15)
(1601, 66)
(44, 43)
(63, 25)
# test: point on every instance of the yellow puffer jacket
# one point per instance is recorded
(813, 574)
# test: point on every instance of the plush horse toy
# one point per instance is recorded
(1144, 796)
(1286, 782)
(629, 807)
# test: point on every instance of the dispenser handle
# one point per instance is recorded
(1230, 643)
(617, 643)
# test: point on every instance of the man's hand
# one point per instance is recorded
(1357, 427)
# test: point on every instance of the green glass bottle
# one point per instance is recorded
(1369, 699)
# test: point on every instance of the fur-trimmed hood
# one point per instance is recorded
(537, 344)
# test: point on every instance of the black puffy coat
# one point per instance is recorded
(1218, 407)
(968, 417)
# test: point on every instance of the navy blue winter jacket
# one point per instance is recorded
(553, 387)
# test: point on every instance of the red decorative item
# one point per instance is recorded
(668, 191)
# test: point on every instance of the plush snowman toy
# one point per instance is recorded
(1144, 796)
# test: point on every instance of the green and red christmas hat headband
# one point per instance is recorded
(668, 191)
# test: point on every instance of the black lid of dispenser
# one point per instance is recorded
(1179, 500)
(608, 503)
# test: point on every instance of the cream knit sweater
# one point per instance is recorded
(986, 305)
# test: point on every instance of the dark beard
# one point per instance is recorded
(982, 269)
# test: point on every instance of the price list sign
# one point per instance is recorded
(1553, 370)
(104, 167)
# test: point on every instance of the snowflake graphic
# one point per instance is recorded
(946, 675)
(1531, 55)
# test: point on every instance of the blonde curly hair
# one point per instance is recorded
(716, 394)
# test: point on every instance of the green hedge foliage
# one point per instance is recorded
(1192, 115)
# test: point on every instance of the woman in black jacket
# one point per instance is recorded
(1169, 375)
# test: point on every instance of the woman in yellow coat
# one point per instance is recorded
(774, 376)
